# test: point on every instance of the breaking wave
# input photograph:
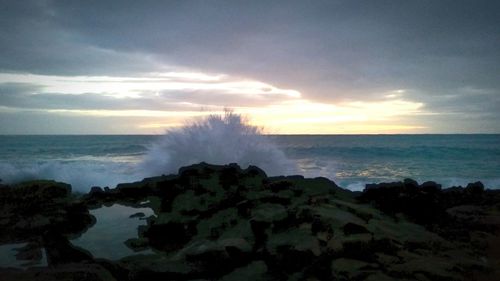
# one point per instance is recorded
(216, 139)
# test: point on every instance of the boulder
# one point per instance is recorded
(30, 209)
(256, 271)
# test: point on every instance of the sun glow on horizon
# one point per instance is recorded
(308, 117)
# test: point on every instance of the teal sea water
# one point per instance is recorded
(350, 160)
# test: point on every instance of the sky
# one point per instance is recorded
(291, 67)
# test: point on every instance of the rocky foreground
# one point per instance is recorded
(226, 223)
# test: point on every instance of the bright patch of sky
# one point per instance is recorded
(278, 110)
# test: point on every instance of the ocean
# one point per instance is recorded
(350, 160)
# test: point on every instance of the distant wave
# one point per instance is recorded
(415, 152)
(216, 139)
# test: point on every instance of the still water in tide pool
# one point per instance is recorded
(105, 239)
(113, 227)
(8, 257)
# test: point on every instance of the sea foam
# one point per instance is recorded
(81, 175)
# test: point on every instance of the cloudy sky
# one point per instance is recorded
(141, 67)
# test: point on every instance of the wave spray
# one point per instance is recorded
(216, 139)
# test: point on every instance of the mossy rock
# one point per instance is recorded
(365, 212)
(30, 209)
(188, 202)
(316, 186)
(137, 244)
(434, 268)
(242, 229)
(379, 276)
(254, 271)
(35, 193)
(165, 218)
(69, 272)
(269, 213)
(141, 267)
(401, 230)
(351, 269)
(297, 239)
(216, 258)
(218, 224)
(335, 217)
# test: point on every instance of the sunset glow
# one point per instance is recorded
(301, 69)
(276, 109)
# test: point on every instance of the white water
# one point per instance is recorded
(216, 140)
(81, 175)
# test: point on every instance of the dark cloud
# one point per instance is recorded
(476, 103)
(329, 50)
(28, 96)
(31, 96)
(324, 47)
(33, 40)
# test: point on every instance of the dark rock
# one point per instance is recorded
(95, 190)
(254, 271)
(32, 252)
(222, 222)
(220, 257)
(133, 190)
(280, 185)
(245, 208)
(137, 244)
(360, 249)
(60, 251)
(74, 271)
(290, 260)
(170, 236)
(352, 228)
(255, 171)
(318, 225)
(30, 209)
(410, 183)
(259, 231)
(229, 176)
(351, 269)
(137, 215)
(421, 204)
(431, 187)
(476, 188)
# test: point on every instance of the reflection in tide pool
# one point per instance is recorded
(8, 257)
(113, 227)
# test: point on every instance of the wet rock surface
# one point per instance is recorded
(226, 223)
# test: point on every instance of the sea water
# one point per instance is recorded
(350, 160)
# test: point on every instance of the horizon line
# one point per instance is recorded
(264, 134)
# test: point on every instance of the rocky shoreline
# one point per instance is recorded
(226, 223)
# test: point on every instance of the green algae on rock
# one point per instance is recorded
(221, 222)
